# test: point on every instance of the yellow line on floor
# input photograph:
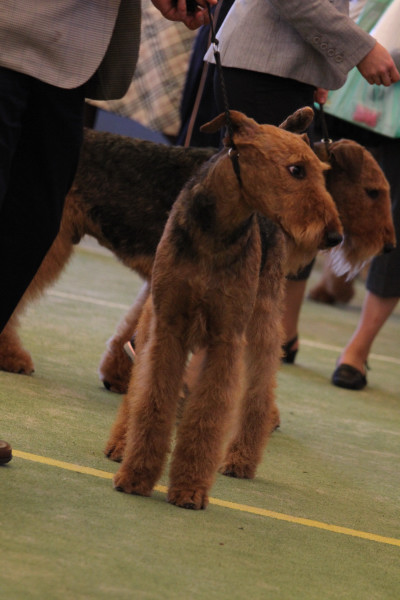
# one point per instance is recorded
(224, 503)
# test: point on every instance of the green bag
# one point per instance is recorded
(373, 107)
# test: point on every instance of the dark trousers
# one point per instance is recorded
(265, 98)
(41, 129)
(384, 274)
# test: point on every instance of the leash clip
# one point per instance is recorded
(234, 156)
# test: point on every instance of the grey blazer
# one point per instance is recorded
(68, 43)
(313, 41)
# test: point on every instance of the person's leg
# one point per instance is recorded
(375, 311)
(294, 294)
(42, 170)
(14, 96)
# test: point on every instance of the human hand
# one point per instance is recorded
(321, 95)
(378, 67)
(175, 10)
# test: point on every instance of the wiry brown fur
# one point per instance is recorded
(122, 194)
(369, 220)
(361, 194)
(367, 217)
(332, 288)
(217, 287)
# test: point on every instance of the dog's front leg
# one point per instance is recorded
(259, 415)
(152, 402)
(116, 442)
(207, 417)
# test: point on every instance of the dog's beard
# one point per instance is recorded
(344, 262)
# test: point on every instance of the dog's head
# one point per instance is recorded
(283, 179)
(362, 195)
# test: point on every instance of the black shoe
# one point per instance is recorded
(289, 354)
(349, 377)
(5, 452)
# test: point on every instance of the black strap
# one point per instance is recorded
(326, 139)
(233, 151)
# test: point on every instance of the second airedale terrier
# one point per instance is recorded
(217, 286)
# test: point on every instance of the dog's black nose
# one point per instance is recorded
(388, 248)
(332, 238)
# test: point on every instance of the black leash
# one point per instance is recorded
(326, 139)
(233, 151)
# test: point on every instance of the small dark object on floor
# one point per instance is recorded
(5, 452)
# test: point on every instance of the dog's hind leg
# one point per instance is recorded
(205, 423)
(259, 415)
(115, 366)
(13, 356)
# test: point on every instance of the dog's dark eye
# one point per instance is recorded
(297, 171)
(373, 194)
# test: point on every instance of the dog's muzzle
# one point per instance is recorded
(388, 248)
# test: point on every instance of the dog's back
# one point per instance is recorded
(125, 187)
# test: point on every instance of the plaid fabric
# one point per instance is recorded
(154, 96)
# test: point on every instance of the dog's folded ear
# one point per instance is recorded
(348, 157)
(240, 123)
(299, 121)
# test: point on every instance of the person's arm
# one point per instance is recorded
(176, 11)
(320, 23)
(378, 67)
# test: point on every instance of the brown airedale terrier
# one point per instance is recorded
(336, 281)
(217, 287)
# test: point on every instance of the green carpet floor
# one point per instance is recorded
(320, 521)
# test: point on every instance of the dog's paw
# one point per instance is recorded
(193, 499)
(16, 361)
(239, 470)
(115, 370)
(114, 449)
(320, 294)
(131, 482)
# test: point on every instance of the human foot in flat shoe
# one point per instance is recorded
(347, 376)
